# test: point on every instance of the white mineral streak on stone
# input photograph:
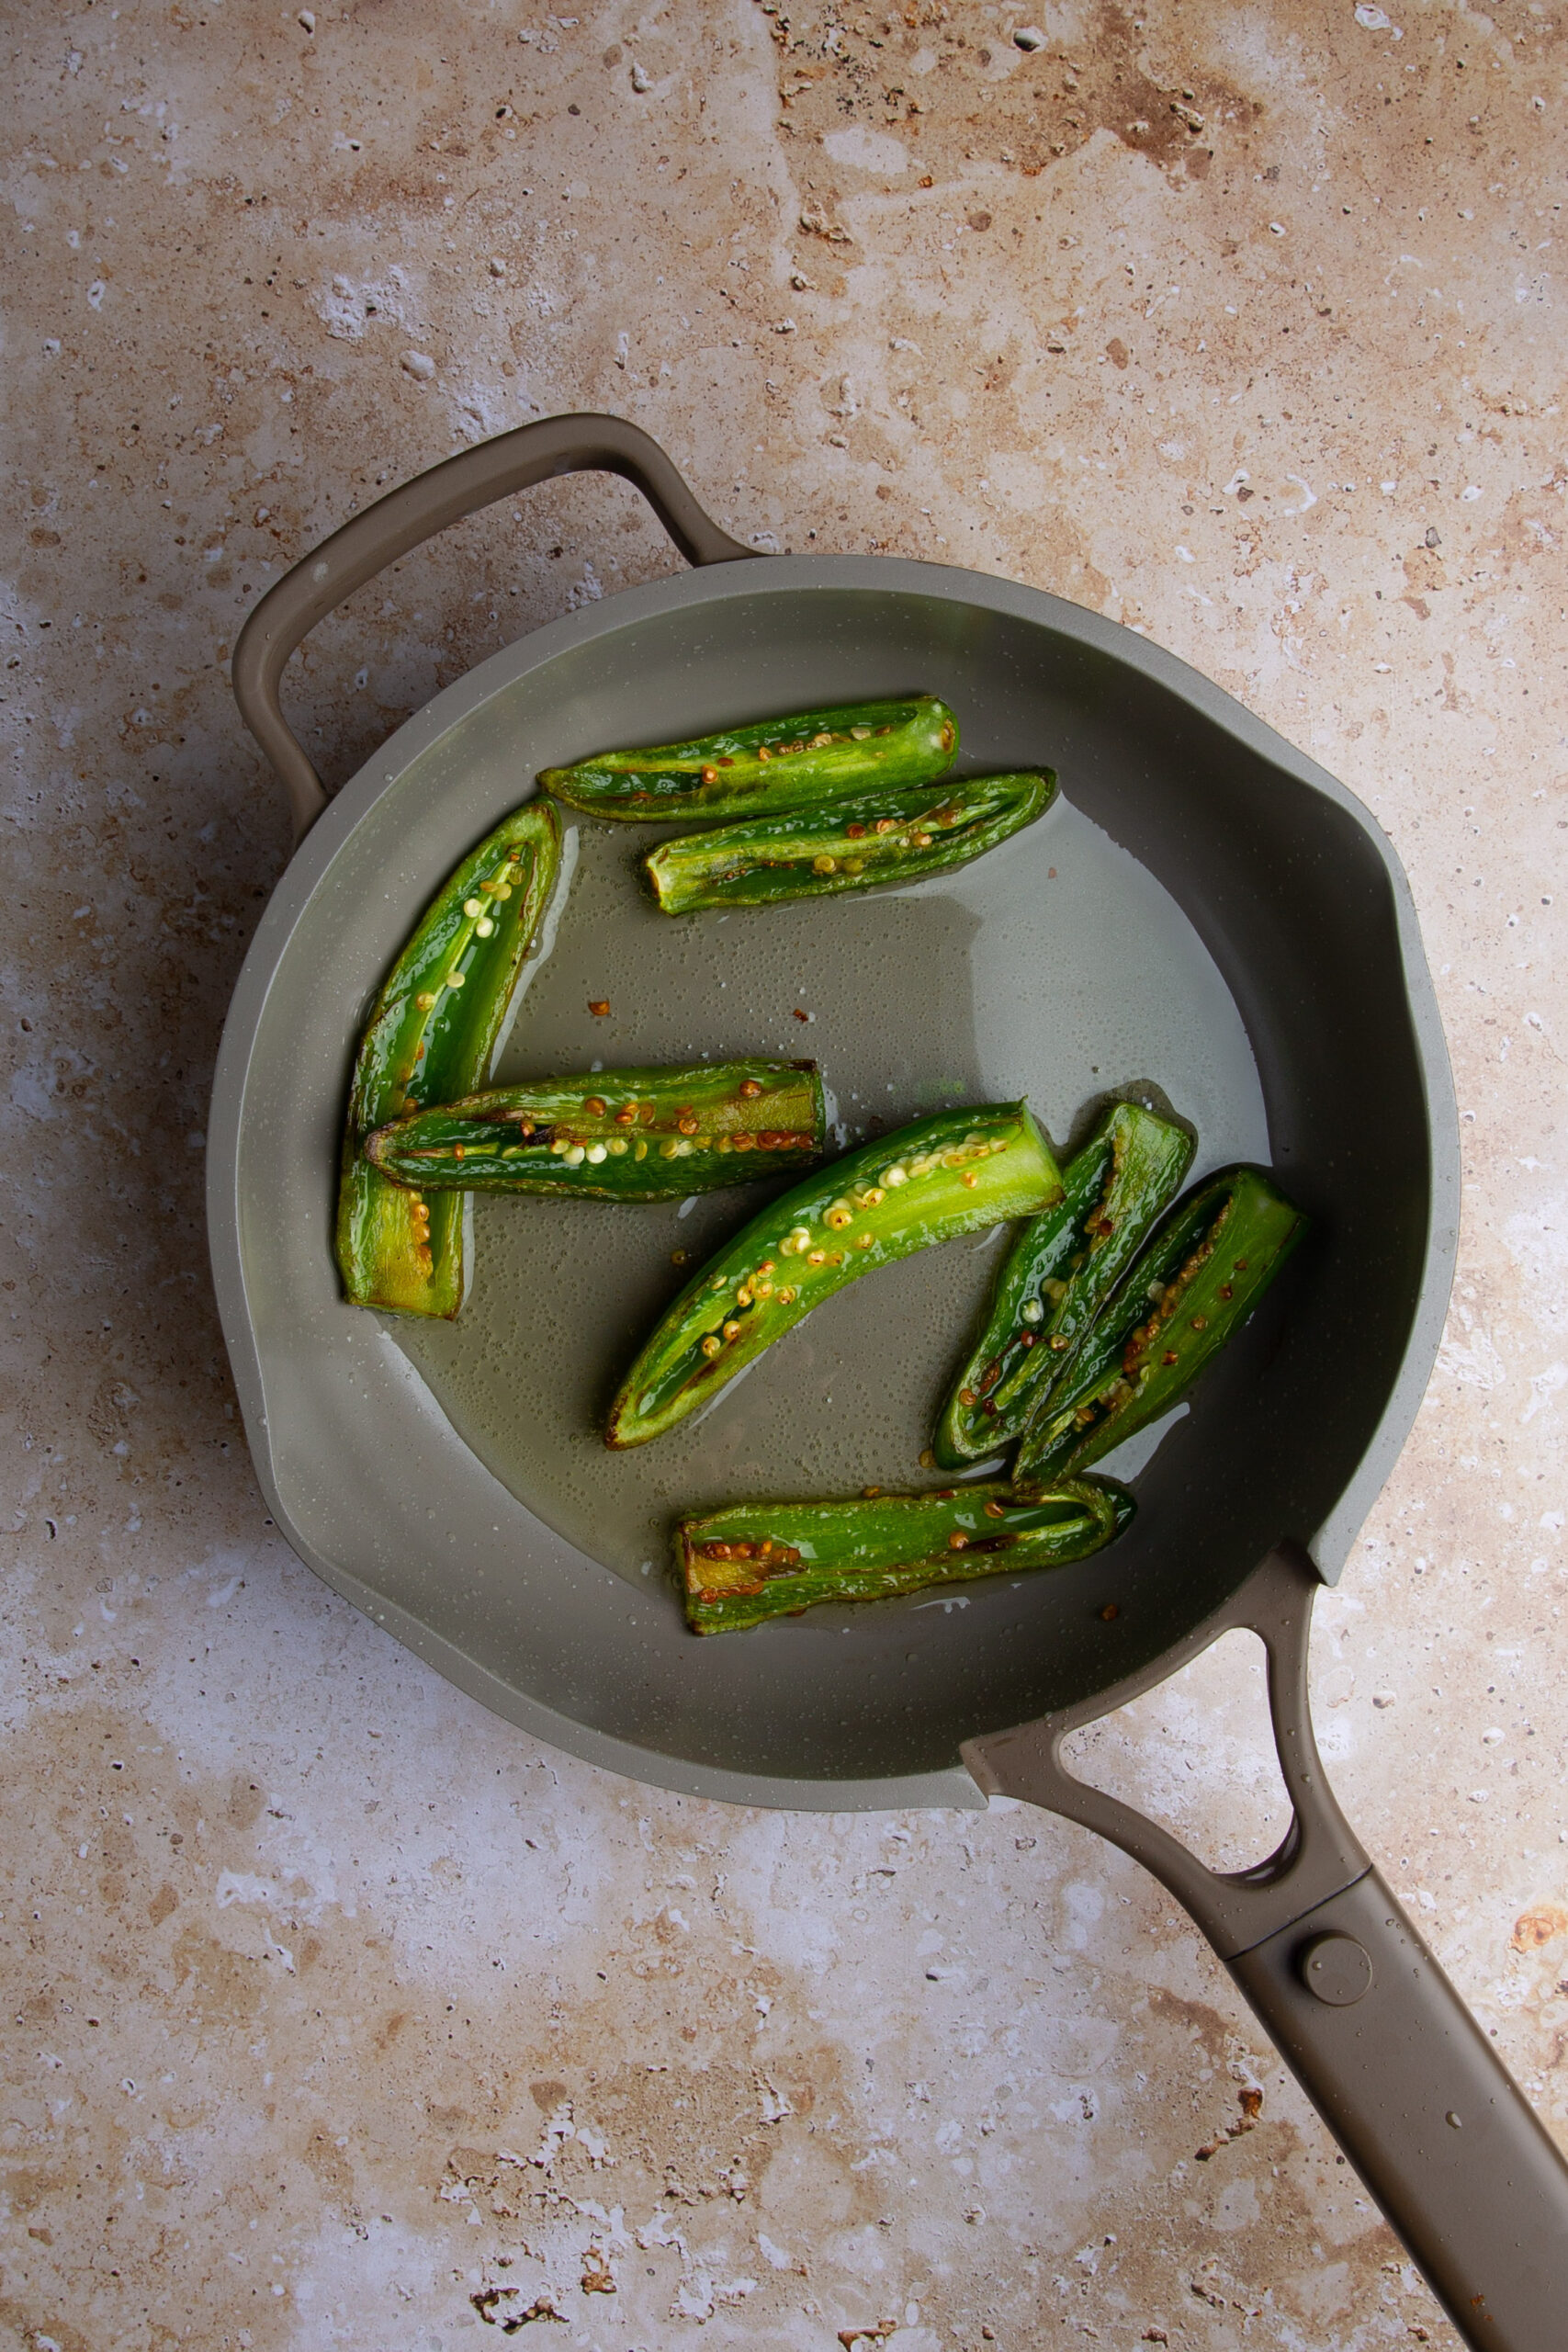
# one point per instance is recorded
(1544, 1386)
(868, 151)
(1537, 1240)
(348, 306)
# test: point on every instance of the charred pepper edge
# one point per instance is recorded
(784, 763)
(695, 871)
(993, 1399)
(420, 1268)
(775, 1580)
(658, 1134)
(682, 1365)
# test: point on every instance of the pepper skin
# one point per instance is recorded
(1062, 1268)
(852, 846)
(621, 1135)
(942, 1176)
(1196, 1282)
(431, 1036)
(757, 1560)
(791, 762)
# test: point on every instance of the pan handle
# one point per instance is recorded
(416, 511)
(1355, 2002)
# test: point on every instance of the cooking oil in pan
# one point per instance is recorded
(1055, 969)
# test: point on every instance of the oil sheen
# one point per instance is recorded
(976, 986)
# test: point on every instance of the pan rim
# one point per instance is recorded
(691, 592)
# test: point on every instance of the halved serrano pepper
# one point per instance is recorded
(942, 1176)
(1061, 1269)
(752, 1561)
(431, 1036)
(791, 762)
(857, 844)
(620, 1134)
(1195, 1282)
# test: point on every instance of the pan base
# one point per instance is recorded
(1058, 968)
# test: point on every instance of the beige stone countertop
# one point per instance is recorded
(337, 2012)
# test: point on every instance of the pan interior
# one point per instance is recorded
(1219, 922)
(1056, 968)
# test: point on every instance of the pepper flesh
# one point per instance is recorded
(620, 1134)
(790, 762)
(853, 846)
(431, 1035)
(939, 1177)
(1061, 1269)
(753, 1561)
(1195, 1282)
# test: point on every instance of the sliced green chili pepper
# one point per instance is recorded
(1062, 1268)
(1195, 1282)
(431, 1035)
(852, 846)
(758, 1560)
(787, 763)
(940, 1177)
(621, 1135)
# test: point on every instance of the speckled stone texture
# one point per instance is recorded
(336, 2012)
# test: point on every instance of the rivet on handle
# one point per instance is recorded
(1337, 1969)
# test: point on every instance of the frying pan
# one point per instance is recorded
(1289, 896)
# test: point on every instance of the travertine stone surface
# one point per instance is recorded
(337, 2013)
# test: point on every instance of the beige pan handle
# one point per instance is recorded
(1357, 2005)
(416, 511)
